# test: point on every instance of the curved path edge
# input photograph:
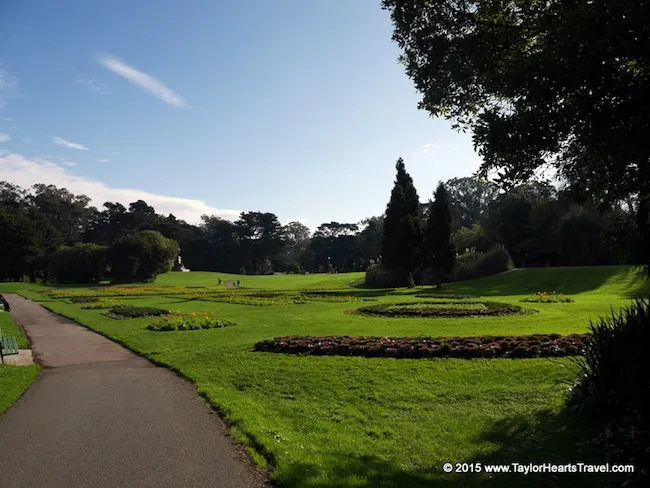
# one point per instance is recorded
(101, 416)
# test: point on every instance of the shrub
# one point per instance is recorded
(477, 265)
(83, 299)
(141, 256)
(81, 263)
(614, 385)
(547, 297)
(189, 321)
(129, 312)
(381, 277)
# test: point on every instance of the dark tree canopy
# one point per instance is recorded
(438, 249)
(402, 226)
(538, 82)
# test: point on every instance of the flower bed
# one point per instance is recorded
(129, 312)
(189, 321)
(445, 296)
(83, 299)
(547, 297)
(441, 308)
(103, 303)
(532, 346)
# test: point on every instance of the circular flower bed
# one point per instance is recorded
(442, 308)
(531, 346)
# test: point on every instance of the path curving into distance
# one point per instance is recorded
(100, 416)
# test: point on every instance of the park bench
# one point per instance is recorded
(8, 346)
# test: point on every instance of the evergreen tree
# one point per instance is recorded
(438, 248)
(402, 226)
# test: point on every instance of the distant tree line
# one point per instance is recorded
(50, 234)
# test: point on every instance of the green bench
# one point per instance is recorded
(8, 346)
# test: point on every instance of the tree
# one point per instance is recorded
(579, 236)
(260, 238)
(437, 247)
(141, 256)
(474, 238)
(469, 198)
(370, 239)
(402, 226)
(81, 263)
(68, 213)
(527, 78)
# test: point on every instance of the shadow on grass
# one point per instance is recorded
(543, 438)
(365, 293)
(569, 280)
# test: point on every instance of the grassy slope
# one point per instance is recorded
(334, 421)
(283, 282)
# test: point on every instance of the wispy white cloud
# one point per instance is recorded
(8, 87)
(4, 137)
(93, 84)
(115, 153)
(69, 163)
(25, 172)
(7, 119)
(27, 140)
(102, 160)
(431, 148)
(60, 141)
(143, 80)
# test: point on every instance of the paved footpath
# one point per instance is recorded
(100, 416)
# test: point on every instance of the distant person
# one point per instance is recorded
(237, 283)
(5, 303)
(219, 280)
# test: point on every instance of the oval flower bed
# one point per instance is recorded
(547, 297)
(189, 321)
(441, 308)
(532, 346)
(129, 312)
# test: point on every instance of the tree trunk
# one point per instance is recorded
(409, 280)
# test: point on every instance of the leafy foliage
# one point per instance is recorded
(141, 256)
(547, 297)
(402, 236)
(478, 265)
(614, 385)
(438, 250)
(189, 321)
(531, 346)
(80, 263)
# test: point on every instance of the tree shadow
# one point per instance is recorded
(547, 437)
(365, 293)
(568, 280)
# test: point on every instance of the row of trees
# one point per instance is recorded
(409, 242)
(538, 224)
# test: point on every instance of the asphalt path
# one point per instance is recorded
(100, 416)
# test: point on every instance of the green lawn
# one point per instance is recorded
(355, 422)
(14, 380)
(9, 328)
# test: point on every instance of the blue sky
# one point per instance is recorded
(291, 107)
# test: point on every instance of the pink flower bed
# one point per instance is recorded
(531, 346)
